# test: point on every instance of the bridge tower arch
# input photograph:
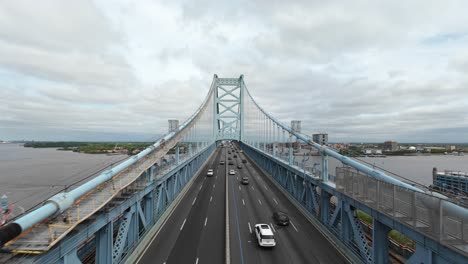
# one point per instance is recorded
(228, 108)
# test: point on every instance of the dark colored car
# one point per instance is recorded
(244, 161)
(235, 156)
(231, 163)
(245, 180)
(239, 166)
(281, 218)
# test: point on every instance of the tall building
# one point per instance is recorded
(321, 139)
(390, 146)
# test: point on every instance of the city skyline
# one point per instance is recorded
(361, 72)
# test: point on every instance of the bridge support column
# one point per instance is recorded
(177, 154)
(274, 150)
(380, 242)
(324, 167)
(346, 229)
(104, 242)
(421, 255)
(132, 236)
(324, 206)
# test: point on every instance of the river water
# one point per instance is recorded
(29, 176)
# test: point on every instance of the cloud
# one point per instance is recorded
(360, 71)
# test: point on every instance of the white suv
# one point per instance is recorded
(232, 172)
(210, 172)
(264, 235)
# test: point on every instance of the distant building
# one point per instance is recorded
(321, 139)
(173, 125)
(451, 148)
(390, 146)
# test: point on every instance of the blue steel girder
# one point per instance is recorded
(359, 235)
(121, 238)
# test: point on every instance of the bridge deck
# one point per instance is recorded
(196, 229)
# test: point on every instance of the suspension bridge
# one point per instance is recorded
(151, 209)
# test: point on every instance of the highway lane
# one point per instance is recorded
(194, 233)
(255, 203)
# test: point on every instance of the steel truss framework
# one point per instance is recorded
(228, 108)
(313, 195)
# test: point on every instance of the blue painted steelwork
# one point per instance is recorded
(342, 220)
(123, 218)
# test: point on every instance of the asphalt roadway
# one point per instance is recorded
(195, 232)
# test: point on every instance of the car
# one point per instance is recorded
(241, 151)
(231, 163)
(245, 180)
(229, 152)
(265, 236)
(235, 156)
(210, 172)
(221, 162)
(232, 172)
(244, 161)
(229, 158)
(239, 166)
(281, 218)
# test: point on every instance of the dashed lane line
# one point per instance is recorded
(275, 200)
(206, 220)
(293, 226)
(243, 202)
(182, 226)
(250, 228)
(194, 200)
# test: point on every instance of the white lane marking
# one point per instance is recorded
(211, 198)
(272, 227)
(214, 185)
(237, 177)
(243, 202)
(293, 226)
(265, 187)
(182, 226)
(194, 200)
(201, 186)
(239, 188)
(196, 261)
(275, 200)
(252, 188)
(260, 202)
(250, 228)
(216, 177)
(206, 220)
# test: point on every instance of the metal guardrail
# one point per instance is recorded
(424, 213)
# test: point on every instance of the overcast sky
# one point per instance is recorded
(117, 70)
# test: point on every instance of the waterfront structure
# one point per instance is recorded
(321, 138)
(390, 146)
(452, 181)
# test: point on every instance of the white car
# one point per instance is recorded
(210, 172)
(232, 172)
(265, 236)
